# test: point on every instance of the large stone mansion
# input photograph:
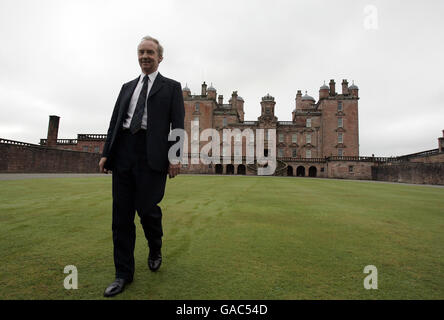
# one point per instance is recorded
(328, 127)
(318, 130)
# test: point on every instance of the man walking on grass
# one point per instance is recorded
(136, 151)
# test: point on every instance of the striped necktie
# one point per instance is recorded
(136, 121)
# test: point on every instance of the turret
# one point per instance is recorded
(186, 92)
(211, 92)
(307, 101)
(354, 90)
(267, 106)
(323, 91)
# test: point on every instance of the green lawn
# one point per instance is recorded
(229, 238)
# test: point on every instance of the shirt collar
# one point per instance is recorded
(152, 76)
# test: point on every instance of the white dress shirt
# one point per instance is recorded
(135, 97)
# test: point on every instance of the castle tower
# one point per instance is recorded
(267, 109)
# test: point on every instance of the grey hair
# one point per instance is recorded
(159, 46)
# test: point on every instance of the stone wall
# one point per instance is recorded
(356, 170)
(439, 157)
(409, 172)
(36, 159)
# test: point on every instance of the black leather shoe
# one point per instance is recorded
(116, 287)
(154, 259)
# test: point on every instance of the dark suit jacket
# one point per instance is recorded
(165, 109)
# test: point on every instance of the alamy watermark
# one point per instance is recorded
(71, 280)
(371, 17)
(371, 281)
(260, 147)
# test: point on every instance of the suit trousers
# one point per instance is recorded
(135, 187)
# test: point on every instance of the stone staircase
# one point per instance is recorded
(281, 167)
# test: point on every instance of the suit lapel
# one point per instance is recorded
(126, 101)
(128, 94)
(158, 83)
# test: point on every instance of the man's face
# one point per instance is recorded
(148, 56)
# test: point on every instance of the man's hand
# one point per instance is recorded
(173, 170)
(102, 165)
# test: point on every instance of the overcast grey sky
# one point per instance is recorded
(70, 58)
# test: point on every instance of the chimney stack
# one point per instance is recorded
(53, 131)
(345, 87)
(332, 87)
(298, 99)
(204, 89)
(441, 142)
(234, 100)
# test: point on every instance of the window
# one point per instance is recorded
(308, 154)
(85, 149)
(97, 149)
(308, 138)
(294, 138)
(340, 152)
(280, 152)
(197, 107)
(350, 168)
(225, 122)
(340, 137)
(339, 106)
(340, 123)
(308, 123)
(294, 153)
(281, 137)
